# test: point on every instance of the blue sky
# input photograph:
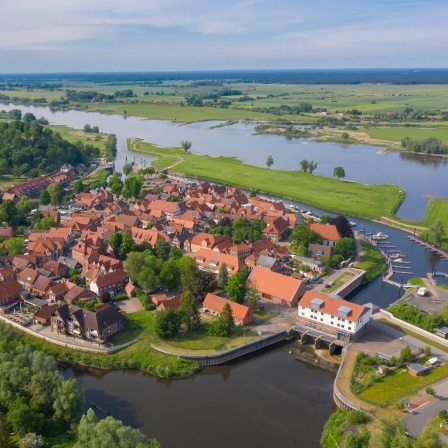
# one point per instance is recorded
(153, 35)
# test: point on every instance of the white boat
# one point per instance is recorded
(398, 260)
(380, 236)
(352, 224)
(422, 292)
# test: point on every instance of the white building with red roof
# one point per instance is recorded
(333, 315)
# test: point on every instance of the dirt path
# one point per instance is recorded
(400, 225)
(135, 143)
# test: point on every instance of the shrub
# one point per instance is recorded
(356, 417)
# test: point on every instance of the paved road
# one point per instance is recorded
(418, 419)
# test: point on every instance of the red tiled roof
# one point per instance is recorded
(111, 278)
(217, 303)
(326, 231)
(332, 304)
(274, 284)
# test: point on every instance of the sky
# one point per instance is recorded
(39, 36)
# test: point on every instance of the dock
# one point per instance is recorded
(427, 245)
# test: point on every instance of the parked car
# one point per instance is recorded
(422, 291)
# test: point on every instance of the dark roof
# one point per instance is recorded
(69, 262)
(47, 311)
(9, 288)
(111, 278)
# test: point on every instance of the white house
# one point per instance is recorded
(333, 315)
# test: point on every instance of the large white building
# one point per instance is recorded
(333, 315)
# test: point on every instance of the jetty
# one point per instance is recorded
(428, 246)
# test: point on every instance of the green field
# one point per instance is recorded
(372, 262)
(397, 385)
(366, 201)
(396, 134)
(437, 210)
(8, 180)
(77, 135)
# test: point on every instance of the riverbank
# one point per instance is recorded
(350, 198)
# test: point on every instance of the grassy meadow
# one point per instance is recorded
(366, 201)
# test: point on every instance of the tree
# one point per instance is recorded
(345, 136)
(116, 184)
(78, 187)
(162, 249)
(338, 172)
(430, 391)
(345, 247)
(167, 323)
(109, 432)
(170, 274)
(405, 354)
(87, 128)
(44, 197)
(126, 246)
(147, 278)
(15, 245)
(205, 283)
(269, 161)
(226, 318)
(236, 287)
(56, 193)
(132, 187)
(343, 226)
(134, 263)
(114, 242)
(186, 145)
(303, 236)
(5, 433)
(325, 219)
(24, 418)
(223, 276)
(127, 169)
(45, 223)
(32, 440)
(304, 165)
(189, 312)
(443, 414)
(312, 166)
(437, 231)
(28, 117)
(69, 402)
(252, 295)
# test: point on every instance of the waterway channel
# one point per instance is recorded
(269, 399)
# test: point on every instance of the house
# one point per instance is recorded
(150, 236)
(58, 269)
(76, 292)
(240, 250)
(27, 278)
(276, 230)
(318, 250)
(209, 260)
(333, 315)
(95, 326)
(242, 315)
(111, 283)
(43, 316)
(329, 233)
(180, 238)
(6, 274)
(171, 302)
(9, 294)
(42, 286)
(206, 240)
(278, 288)
(6, 232)
(170, 209)
(58, 291)
(268, 263)
(158, 299)
(70, 263)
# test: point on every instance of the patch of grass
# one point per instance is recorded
(437, 209)
(200, 341)
(397, 385)
(366, 201)
(396, 134)
(265, 316)
(443, 287)
(372, 262)
(345, 277)
(417, 281)
(77, 135)
(8, 180)
(426, 341)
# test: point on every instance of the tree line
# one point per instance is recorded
(37, 403)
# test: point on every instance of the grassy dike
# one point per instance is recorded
(361, 200)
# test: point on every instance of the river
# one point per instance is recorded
(270, 399)
(421, 176)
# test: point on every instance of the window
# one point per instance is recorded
(303, 314)
(321, 320)
(342, 326)
(332, 323)
(321, 313)
(338, 325)
(349, 328)
(303, 307)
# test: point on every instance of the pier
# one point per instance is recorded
(427, 245)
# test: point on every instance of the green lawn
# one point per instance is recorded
(372, 262)
(74, 135)
(200, 342)
(397, 385)
(437, 210)
(8, 180)
(366, 201)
